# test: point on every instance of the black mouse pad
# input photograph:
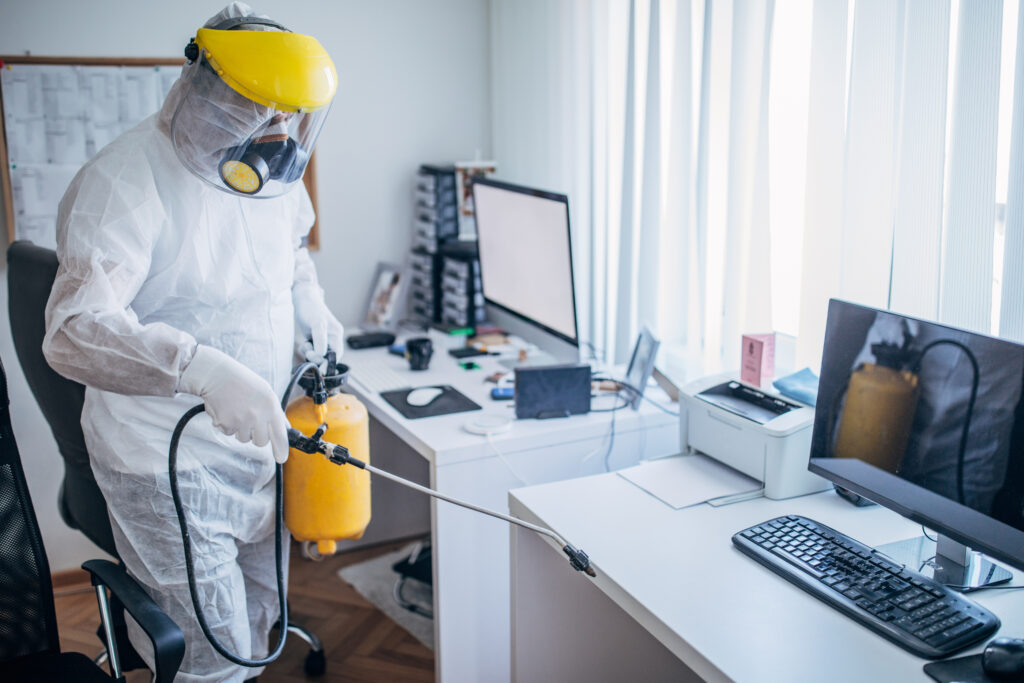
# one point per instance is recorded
(966, 669)
(450, 401)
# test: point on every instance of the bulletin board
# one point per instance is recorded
(57, 112)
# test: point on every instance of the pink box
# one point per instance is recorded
(757, 358)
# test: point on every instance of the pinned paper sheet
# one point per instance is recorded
(684, 480)
(57, 117)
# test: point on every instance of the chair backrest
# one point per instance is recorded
(28, 623)
(31, 271)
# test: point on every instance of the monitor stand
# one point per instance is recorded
(947, 562)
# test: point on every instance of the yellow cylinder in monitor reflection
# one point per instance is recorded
(324, 502)
(878, 416)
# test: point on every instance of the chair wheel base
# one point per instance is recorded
(316, 663)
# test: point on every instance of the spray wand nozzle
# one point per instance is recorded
(579, 560)
(339, 455)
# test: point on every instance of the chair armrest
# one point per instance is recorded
(168, 640)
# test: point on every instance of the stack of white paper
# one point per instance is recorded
(684, 480)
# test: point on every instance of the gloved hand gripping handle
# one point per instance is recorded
(339, 455)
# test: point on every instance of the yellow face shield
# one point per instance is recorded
(284, 71)
(254, 107)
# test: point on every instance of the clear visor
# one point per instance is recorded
(237, 145)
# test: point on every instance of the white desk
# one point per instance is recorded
(471, 552)
(674, 600)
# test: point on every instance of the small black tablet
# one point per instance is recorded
(641, 364)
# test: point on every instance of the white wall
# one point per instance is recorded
(414, 87)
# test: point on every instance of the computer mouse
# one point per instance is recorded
(423, 396)
(1004, 659)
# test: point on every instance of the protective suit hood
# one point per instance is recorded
(235, 10)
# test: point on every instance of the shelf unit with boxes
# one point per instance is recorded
(462, 299)
(435, 223)
(444, 271)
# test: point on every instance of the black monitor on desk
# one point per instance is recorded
(927, 420)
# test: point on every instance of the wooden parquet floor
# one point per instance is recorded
(361, 643)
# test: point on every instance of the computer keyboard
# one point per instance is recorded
(911, 610)
(377, 376)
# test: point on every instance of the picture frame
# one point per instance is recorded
(388, 292)
(465, 173)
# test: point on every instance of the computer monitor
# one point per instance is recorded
(526, 265)
(927, 420)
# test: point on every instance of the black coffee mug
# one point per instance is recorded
(418, 351)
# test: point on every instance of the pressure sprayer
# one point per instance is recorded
(327, 501)
(324, 503)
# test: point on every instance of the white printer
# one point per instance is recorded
(763, 435)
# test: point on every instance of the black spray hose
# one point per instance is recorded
(338, 455)
(172, 464)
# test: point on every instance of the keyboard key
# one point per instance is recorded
(950, 622)
(929, 622)
(906, 621)
(960, 629)
(928, 611)
(802, 565)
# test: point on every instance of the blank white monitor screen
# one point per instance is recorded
(525, 260)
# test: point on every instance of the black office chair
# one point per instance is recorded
(29, 644)
(31, 270)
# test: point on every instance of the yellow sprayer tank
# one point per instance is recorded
(878, 416)
(323, 502)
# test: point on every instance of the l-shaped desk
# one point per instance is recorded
(470, 551)
(673, 600)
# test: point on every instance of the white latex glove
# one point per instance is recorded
(240, 402)
(317, 330)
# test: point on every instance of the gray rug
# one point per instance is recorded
(375, 581)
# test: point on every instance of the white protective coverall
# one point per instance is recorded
(156, 264)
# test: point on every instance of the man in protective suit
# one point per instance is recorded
(182, 278)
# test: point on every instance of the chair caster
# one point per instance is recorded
(316, 663)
